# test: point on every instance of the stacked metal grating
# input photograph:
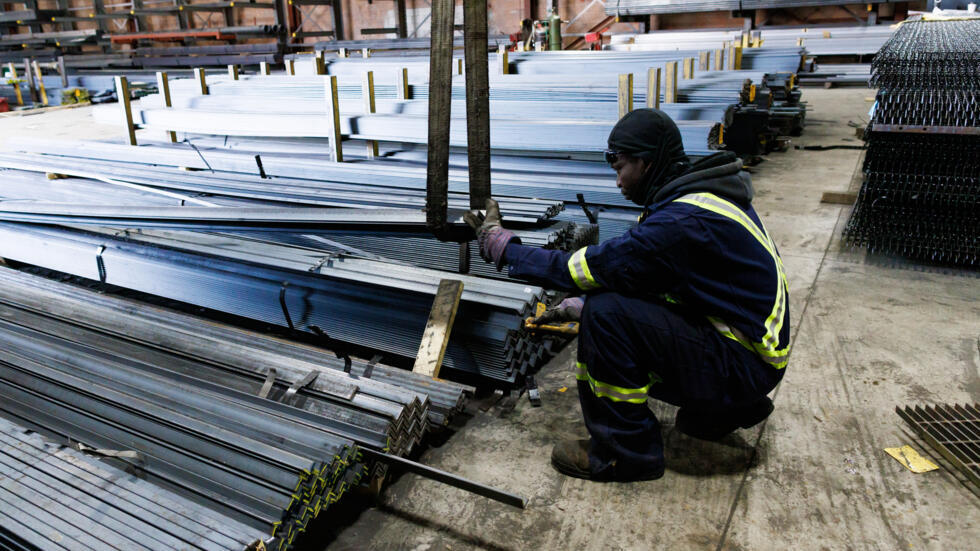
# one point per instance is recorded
(921, 194)
(54, 497)
(953, 430)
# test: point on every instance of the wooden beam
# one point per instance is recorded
(163, 88)
(670, 83)
(625, 94)
(333, 118)
(435, 337)
(653, 87)
(122, 93)
(367, 94)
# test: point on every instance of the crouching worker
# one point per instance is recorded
(690, 306)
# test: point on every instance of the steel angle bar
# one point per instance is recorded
(176, 514)
(550, 181)
(345, 316)
(238, 218)
(240, 190)
(449, 479)
(196, 338)
(271, 469)
(209, 400)
(85, 512)
(258, 501)
(159, 518)
(191, 339)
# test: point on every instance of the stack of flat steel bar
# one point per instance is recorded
(837, 73)
(54, 498)
(921, 194)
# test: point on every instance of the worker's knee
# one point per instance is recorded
(608, 310)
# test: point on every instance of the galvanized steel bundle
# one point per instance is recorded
(56, 497)
(921, 194)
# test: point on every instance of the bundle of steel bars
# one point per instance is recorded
(819, 40)
(267, 432)
(921, 194)
(54, 497)
(372, 304)
(256, 460)
(646, 7)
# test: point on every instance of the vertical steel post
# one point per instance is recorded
(440, 104)
(477, 100)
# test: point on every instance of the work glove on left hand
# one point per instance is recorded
(567, 310)
(491, 236)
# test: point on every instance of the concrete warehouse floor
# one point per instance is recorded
(814, 476)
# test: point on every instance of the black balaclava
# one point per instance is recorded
(651, 135)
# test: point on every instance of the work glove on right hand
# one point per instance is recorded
(491, 236)
(567, 310)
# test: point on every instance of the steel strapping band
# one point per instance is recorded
(119, 454)
(282, 304)
(270, 379)
(100, 263)
(369, 369)
(302, 383)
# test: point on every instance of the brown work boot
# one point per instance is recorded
(571, 457)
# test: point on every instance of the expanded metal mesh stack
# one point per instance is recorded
(54, 497)
(921, 194)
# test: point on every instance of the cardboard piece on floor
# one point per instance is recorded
(911, 459)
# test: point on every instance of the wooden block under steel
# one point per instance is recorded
(435, 337)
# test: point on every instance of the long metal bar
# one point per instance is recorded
(455, 481)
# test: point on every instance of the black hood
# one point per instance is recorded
(720, 174)
(651, 135)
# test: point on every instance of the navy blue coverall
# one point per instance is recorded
(690, 307)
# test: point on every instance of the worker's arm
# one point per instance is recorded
(649, 258)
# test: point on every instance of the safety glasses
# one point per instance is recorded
(611, 156)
